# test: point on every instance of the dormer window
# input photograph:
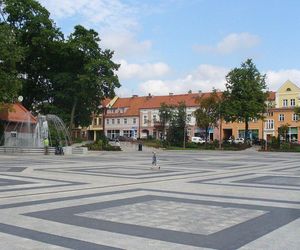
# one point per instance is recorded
(288, 89)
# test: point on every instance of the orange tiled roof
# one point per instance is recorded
(16, 113)
(135, 103)
(271, 96)
(105, 102)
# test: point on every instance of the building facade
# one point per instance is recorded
(280, 111)
(138, 117)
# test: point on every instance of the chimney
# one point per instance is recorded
(170, 94)
(149, 96)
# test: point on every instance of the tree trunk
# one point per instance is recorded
(206, 135)
(73, 115)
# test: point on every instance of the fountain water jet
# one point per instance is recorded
(29, 133)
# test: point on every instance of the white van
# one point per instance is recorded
(198, 140)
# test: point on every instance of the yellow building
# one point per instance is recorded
(288, 95)
(287, 98)
(280, 111)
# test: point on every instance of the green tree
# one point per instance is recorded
(245, 94)
(36, 34)
(208, 113)
(176, 135)
(10, 55)
(66, 77)
(283, 132)
(166, 113)
(84, 76)
(297, 112)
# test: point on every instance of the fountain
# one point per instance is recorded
(29, 134)
(21, 130)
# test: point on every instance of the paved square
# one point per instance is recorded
(112, 200)
(274, 180)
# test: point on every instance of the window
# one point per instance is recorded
(95, 121)
(270, 124)
(134, 120)
(107, 121)
(118, 121)
(126, 133)
(145, 119)
(293, 102)
(285, 102)
(295, 117)
(112, 121)
(189, 118)
(125, 120)
(270, 114)
(288, 89)
(154, 118)
(281, 117)
(113, 133)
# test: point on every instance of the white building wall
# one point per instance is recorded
(122, 126)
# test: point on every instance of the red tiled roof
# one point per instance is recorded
(105, 102)
(271, 96)
(16, 113)
(135, 103)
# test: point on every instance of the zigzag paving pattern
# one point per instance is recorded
(113, 200)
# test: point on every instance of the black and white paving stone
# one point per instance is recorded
(113, 200)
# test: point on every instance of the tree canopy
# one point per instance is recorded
(10, 56)
(207, 114)
(245, 94)
(68, 77)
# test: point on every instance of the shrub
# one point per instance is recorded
(165, 144)
(78, 140)
(285, 146)
(275, 142)
(191, 145)
(98, 145)
(109, 147)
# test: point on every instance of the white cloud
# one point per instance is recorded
(204, 78)
(142, 71)
(276, 78)
(125, 44)
(116, 22)
(108, 13)
(231, 43)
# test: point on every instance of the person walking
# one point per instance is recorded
(154, 161)
(46, 146)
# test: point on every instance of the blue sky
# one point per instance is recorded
(176, 45)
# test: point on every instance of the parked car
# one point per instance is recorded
(198, 140)
(239, 140)
(230, 139)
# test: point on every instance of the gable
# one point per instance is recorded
(288, 87)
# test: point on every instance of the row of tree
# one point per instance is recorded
(67, 76)
(243, 100)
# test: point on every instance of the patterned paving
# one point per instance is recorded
(198, 200)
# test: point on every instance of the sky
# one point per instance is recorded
(173, 46)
